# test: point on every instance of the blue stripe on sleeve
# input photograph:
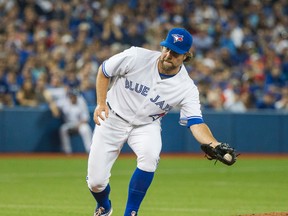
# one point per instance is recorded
(194, 121)
(104, 70)
(188, 121)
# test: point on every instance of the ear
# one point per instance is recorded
(188, 57)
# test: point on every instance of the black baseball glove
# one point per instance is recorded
(222, 152)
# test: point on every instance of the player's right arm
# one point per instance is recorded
(102, 83)
(52, 105)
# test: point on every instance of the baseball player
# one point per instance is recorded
(76, 120)
(148, 84)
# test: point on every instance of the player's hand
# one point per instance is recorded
(101, 111)
(222, 152)
(214, 144)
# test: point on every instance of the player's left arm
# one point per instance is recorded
(203, 134)
(211, 147)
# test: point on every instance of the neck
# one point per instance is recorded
(169, 72)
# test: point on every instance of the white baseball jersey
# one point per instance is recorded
(74, 113)
(140, 96)
(57, 93)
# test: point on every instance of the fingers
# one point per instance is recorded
(106, 112)
(96, 117)
(101, 112)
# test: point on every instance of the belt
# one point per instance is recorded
(116, 113)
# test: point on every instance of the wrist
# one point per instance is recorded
(214, 144)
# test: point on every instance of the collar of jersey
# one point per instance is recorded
(165, 76)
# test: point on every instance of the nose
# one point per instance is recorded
(169, 54)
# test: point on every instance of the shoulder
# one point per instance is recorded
(141, 52)
(146, 53)
(136, 52)
(187, 84)
(184, 75)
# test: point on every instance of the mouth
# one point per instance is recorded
(167, 61)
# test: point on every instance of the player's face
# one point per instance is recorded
(73, 99)
(170, 61)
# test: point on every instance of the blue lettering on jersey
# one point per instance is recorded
(161, 103)
(138, 88)
(143, 90)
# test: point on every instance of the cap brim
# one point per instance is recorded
(172, 47)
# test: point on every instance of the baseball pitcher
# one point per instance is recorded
(148, 84)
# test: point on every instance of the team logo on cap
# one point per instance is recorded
(177, 38)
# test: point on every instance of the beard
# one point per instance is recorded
(166, 66)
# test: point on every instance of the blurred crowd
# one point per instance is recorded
(240, 47)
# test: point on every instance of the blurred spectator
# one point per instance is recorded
(248, 100)
(88, 71)
(112, 31)
(267, 101)
(88, 91)
(13, 86)
(282, 104)
(56, 88)
(37, 66)
(26, 96)
(70, 78)
(44, 97)
(238, 105)
(226, 57)
(284, 65)
(25, 75)
(3, 93)
(236, 32)
(274, 77)
(133, 37)
(246, 40)
(202, 41)
(232, 96)
(5, 97)
(215, 99)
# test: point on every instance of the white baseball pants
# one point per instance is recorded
(107, 142)
(84, 131)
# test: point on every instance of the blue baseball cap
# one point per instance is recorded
(178, 40)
